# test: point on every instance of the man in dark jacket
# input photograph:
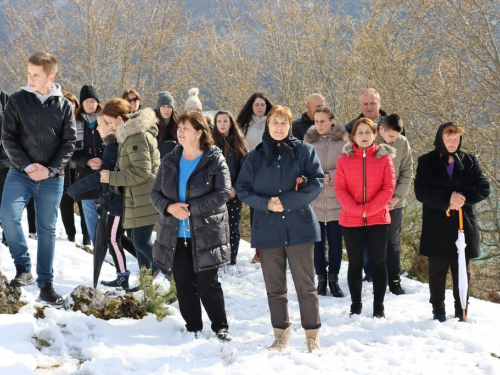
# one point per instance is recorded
(39, 136)
(4, 159)
(369, 103)
(301, 125)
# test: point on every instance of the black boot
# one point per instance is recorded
(23, 277)
(395, 287)
(120, 282)
(86, 240)
(356, 308)
(378, 310)
(333, 283)
(49, 295)
(321, 285)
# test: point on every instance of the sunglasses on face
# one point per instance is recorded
(133, 100)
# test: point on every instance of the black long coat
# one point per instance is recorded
(433, 188)
(208, 190)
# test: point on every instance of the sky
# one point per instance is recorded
(406, 342)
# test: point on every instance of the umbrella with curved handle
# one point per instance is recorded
(463, 282)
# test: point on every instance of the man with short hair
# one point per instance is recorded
(301, 125)
(39, 136)
(370, 105)
(390, 130)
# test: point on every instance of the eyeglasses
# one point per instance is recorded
(133, 100)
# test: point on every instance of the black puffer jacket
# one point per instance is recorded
(301, 125)
(91, 147)
(33, 132)
(208, 190)
(4, 159)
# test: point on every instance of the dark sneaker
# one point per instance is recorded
(71, 237)
(356, 308)
(378, 310)
(224, 335)
(440, 316)
(367, 279)
(49, 295)
(396, 288)
(23, 277)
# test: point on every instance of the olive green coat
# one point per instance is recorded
(138, 163)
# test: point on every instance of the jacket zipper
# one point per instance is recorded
(364, 183)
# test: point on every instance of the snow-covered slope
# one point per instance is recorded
(407, 341)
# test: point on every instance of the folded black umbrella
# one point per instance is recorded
(100, 242)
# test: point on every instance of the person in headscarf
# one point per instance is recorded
(280, 179)
(448, 179)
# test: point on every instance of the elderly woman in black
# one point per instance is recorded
(190, 193)
(280, 179)
(448, 179)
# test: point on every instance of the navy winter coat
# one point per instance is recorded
(257, 183)
(93, 181)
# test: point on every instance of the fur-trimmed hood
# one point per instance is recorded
(379, 150)
(338, 133)
(141, 121)
(109, 139)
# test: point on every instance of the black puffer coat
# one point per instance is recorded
(433, 187)
(208, 190)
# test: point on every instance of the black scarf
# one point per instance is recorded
(275, 145)
(441, 148)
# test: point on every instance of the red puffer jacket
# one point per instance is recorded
(377, 186)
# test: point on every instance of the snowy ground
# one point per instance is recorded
(407, 341)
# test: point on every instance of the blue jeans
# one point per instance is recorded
(19, 189)
(91, 217)
(331, 231)
(141, 238)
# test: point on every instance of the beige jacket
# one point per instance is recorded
(328, 148)
(403, 166)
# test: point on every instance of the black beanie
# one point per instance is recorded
(88, 91)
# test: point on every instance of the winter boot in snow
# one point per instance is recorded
(312, 340)
(321, 285)
(49, 295)
(22, 278)
(281, 339)
(356, 308)
(224, 335)
(120, 282)
(378, 310)
(395, 287)
(333, 283)
(440, 316)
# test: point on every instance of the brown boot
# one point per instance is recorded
(312, 340)
(256, 257)
(281, 339)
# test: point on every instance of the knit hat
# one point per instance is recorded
(165, 98)
(88, 91)
(193, 102)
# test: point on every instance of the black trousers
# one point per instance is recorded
(438, 270)
(375, 237)
(67, 209)
(234, 213)
(193, 287)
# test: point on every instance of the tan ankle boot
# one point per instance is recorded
(312, 340)
(281, 339)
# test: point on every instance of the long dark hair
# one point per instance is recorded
(246, 112)
(169, 132)
(239, 142)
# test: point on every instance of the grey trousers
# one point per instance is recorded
(301, 261)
